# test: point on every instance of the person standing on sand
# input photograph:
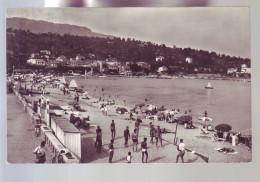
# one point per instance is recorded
(158, 135)
(99, 142)
(98, 130)
(111, 150)
(105, 110)
(144, 150)
(135, 140)
(126, 135)
(152, 130)
(113, 129)
(137, 125)
(181, 149)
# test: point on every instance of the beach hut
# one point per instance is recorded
(67, 134)
(73, 84)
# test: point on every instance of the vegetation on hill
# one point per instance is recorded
(21, 44)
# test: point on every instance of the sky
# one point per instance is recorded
(224, 30)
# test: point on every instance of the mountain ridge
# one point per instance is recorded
(41, 26)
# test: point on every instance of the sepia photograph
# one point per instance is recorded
(128, 85)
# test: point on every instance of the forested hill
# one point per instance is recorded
(20, 42)
(39, 26)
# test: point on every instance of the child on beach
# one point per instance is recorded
(129, 157)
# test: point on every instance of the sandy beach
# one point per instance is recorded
(195, 141)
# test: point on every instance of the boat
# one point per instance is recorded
(209, 86)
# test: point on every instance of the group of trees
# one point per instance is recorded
(23, 43)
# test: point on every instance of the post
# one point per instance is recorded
(47, 117)
(175, 133)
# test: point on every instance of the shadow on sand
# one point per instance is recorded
(88, 151)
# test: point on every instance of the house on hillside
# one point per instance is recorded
(144, 65)
(45, 52)
(35, 56)
(36, 62)
(188, 60)
(159, 58)
(80, 57)
(162, 69)
(52, 64)
(61, 58)
(231, 71)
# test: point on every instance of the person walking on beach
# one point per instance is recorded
(152, 131)
(113, 129)
(181, 149)
(126, 135)
(158, 135)
(135, 140)
(137, 125)
(105, 110)
(144, 150)
(111, 150)
(98, 130)
(99, 142)
(40, 153)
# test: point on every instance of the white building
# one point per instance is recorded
(159, 58)
(188, 60)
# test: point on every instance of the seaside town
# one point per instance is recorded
(54, 115)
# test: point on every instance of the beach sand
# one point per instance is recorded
(200, 143)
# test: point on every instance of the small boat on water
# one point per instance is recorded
(209, 86)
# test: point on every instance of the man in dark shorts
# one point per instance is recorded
(135, 140)
(98, 130)
(113, 129)
(181, 149)
(126, 135)
(144, 150)
(111, 151)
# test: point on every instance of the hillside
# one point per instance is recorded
(39, 26)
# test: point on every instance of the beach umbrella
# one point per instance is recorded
(205, 119)
(247, 132)
(121, 109)
(73, 103)
(184, 118)
(223, 127)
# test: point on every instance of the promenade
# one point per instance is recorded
(20, 134)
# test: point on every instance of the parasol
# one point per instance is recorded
(184, 118)
(205, 119)
(223, 127)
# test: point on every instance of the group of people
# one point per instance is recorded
(154, 133)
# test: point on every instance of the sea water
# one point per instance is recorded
(229, 102)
